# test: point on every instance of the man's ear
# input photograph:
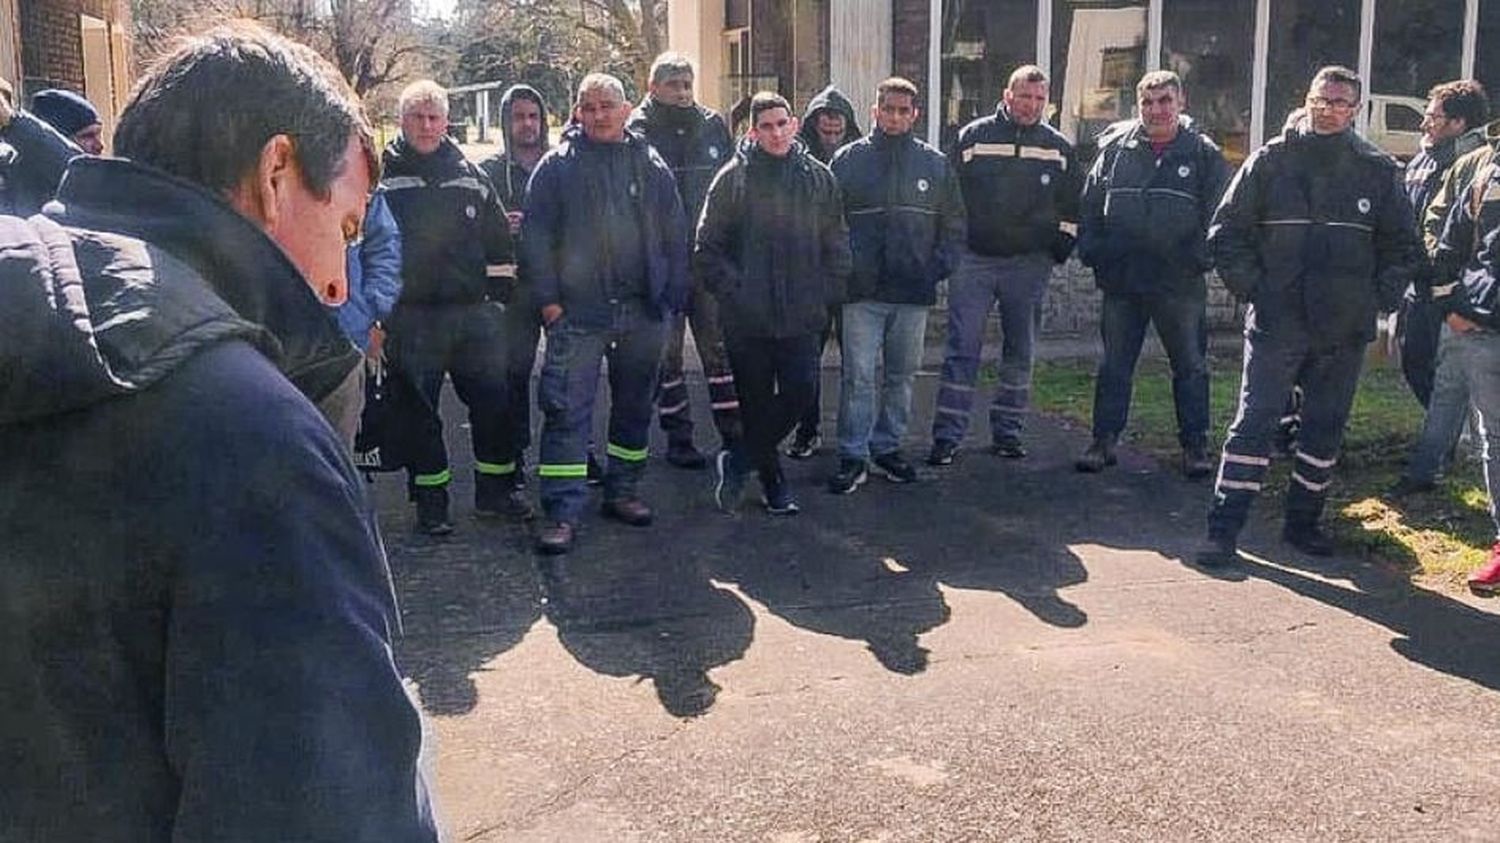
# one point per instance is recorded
(260, 193)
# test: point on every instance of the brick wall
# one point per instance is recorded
(51, 41)
(771, 41)
(911, 20)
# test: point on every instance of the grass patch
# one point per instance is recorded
(1439, 536)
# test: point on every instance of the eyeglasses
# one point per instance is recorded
(1325, 102)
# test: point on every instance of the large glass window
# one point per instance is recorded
(1210, 44)
(1098, 54)
(1306, 35)
(1418, 43)
(1487, 52)
(983, 41)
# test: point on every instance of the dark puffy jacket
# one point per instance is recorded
(906, 218)
(564, 215)
(33, 157)
(1425, 171)
(1316, 232)
(505, 173)
(455, 241)
(828, 99)
(693, 141)
(1468, 256)
(1145, 219)
(1021, 186)
(197, 610)
(772, 244)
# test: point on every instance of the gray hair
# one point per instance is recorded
(670, 64)
(600, 82)
(423, 92)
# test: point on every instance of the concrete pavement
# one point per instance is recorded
(1006, 650)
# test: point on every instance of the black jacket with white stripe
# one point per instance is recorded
(1316, 232)
(455, 242)
(1020, 185)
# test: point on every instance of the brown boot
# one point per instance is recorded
(555, 537)
(632, 511)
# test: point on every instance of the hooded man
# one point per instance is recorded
(458, 270)
(695, 143)
(828, 125)
(197, 608)
(73, 116)
(523, 126)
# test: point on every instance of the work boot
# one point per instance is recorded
(628, 510)
(1196, 463)
(1099, 456)
(942, 452)
(555, 537)
(804, 446)
(432, 510)
(498, 496)
(1486, 580)
(1308, 537)
(1217, 551)
(1009, 447)
(684, 455)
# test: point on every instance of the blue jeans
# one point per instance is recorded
(1017, 284)
(569, 385)
(1182, 323)
(1471, 361)
(1447, 407)
(886, 336)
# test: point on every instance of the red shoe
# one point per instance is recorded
(1486, 580)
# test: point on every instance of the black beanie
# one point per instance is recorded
(66, 111)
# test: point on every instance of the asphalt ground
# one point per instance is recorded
(1005, 650)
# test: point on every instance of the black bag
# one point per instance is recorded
(383, 437)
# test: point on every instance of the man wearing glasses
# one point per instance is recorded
(1316, 233)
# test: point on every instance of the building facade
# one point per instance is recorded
(80, 45)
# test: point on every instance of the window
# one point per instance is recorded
(1098, 54)
(982, 43)
(1487, 54)
(1306, 35)
(1210, 44)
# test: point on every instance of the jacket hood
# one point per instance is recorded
(1300, 131)
(1135, 126)
(574, 135)
(828, 99)
(128, 275)
(507, 99)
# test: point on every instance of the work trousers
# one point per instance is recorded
(776, 378)
(673, 407)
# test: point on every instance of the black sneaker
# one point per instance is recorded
(1010, 448)
(851, 475)
(895, 467)
(1196, 463)
(942, 452)
(1308, 538)
(498, 496)
(1099, 456)
(804, 446)
(432, 510)
(1216, 552)
(778, 499)
(595, 476)
(729, 482)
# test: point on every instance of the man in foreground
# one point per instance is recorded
(1147, 203)
(1315, 231)
(197, 608)
(906, 229)
(773, 248)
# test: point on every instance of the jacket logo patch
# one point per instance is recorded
(1184, 171)
(470, 212)
(922, 185)
(635, 189)
(1363, 205)
(713, 152)
(1046, 178)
